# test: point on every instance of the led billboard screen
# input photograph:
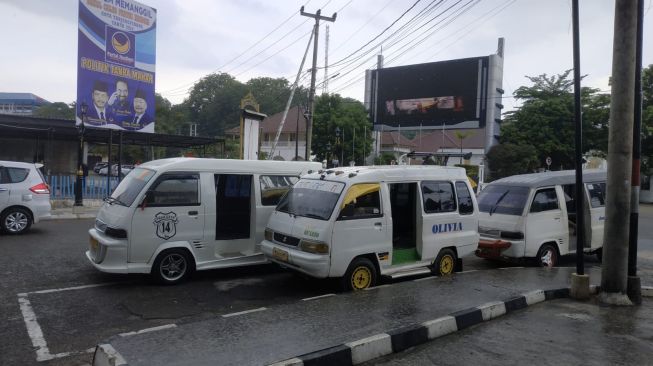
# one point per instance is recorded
(447, 93)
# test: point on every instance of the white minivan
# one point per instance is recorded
(360, 223)
(534, 216)
(24, 196)
(170, 217)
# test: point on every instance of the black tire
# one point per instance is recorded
(15, 221)
(360, 275)
(547, 256)
(172, 266)
(445, 263)
(599, 255)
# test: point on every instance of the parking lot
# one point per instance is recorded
(57, 307)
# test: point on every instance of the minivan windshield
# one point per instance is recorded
(311, 198)
(507, 200)
(131, 186)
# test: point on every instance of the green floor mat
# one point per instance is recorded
(408, 255)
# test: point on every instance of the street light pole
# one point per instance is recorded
(80, 151)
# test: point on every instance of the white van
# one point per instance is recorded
(360, 223)
(172, 216)
(534, 216)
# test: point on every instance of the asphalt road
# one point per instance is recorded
(56, 306)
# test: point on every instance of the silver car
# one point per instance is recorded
(24, 196)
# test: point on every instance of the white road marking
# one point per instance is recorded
(375, 287)
(147, 330)
(243, 312)
(470, 271)
(69, 288)
(34, 329)
(318, 297)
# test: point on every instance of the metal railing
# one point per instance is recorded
(93, 187)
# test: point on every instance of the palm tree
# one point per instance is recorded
(461, 135)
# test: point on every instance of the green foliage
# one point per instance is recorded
(272, 94)
(331, 111)
(58, 110)
(545, 120)
(647, 120)
(509, 159)
(384, 159)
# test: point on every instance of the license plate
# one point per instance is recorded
(279, 254)
(94, 244)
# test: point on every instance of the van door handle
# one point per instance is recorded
(4, 189)
(378, 225)
(192, 213)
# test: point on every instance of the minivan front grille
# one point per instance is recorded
(286, 239)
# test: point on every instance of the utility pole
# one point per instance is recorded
(325, 87)
(580, 282)
(615, 247)
(634, 283)
(311, 96)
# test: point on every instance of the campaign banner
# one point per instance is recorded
(116, 54)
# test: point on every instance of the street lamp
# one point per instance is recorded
(328, 153)
(80, 151)
(341, 143)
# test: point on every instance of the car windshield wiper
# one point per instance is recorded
(110, 200)
(496, 204)
(312, 216)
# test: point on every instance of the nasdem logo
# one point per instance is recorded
(120, 43)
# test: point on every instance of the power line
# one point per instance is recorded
(378, 35)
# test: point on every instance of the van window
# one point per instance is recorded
(311, 198)
(13, 175)
(465, 203)
(364, 202)
(131, 186)
(507, 200)
(175, 190)
(545, 200)
(597, 194)
(273, 187)
(438, 197)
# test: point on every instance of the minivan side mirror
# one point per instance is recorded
(347, 211)
(146, 198)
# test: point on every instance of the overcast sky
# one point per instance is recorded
(197, 37)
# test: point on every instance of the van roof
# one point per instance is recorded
(392, 173)
(232, 165)
(19, 164)
(535, 180)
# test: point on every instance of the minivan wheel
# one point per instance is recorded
(360, 275)
(172, 266)
(445, 263)
(16, 221)
(547, 256)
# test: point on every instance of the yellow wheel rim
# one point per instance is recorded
(446, 265)
(361, 278)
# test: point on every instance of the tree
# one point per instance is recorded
(58, 110)
(508, 159)
(272, 94)
(546, 119)
(214, 103)
(647, 120)
(331, 112)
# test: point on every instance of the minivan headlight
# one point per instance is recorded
(268, 234)
(312, 246)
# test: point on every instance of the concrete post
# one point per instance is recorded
(615, 250)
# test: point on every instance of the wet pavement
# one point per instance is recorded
(282, 332)
(557, 332)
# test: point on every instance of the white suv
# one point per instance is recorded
(24, 196)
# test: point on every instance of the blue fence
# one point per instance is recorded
(93, 187)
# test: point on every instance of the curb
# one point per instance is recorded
(397, 340)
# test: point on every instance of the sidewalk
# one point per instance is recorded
(335, 328)
(64, 209)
